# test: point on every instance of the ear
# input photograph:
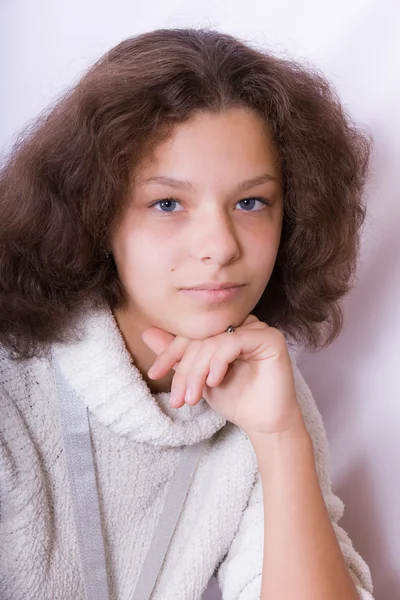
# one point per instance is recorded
(157, 339)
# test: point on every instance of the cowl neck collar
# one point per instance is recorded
(100, 369)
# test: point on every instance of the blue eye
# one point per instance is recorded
(250, 202)
(170, 203)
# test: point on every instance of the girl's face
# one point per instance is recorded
(221, 222)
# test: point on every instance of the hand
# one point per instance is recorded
(245, 376)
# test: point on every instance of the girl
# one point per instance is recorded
(183, 219)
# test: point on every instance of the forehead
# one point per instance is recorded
(235, 142)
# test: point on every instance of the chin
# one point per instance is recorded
(205, 327)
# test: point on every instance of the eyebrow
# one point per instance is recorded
(187, 186)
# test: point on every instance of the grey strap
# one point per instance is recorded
(167, 521)
(80, 464)
(82, 478)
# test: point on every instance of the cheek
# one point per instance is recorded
(144, 256)
(264, 240)
(262, 249)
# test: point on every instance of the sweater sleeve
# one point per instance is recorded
(239, 574)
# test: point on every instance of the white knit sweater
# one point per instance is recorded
(137, 439)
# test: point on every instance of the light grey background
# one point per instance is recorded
(45, 45)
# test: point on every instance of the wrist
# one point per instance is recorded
(296, 435)
(290, 426)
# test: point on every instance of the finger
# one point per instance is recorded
(217, 371)
(253, 323)
(186, 365)
(225, 355)
(209, 365)
(198, 372)
(169, 358)
(250, 319)
(221, 360)
(249, 344)
(157, 339)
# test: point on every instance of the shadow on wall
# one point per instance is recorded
(368, 526)
(367, 313)
(212, 592)
(354, 383)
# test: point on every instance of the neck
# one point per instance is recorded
(142, 356)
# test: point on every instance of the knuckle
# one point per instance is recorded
(217, 360)
(179, 375)
(278, 338)
(195, 378)
(250, 320)
(210, 344)
(182, 369)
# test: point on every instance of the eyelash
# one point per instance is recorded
(170, 199)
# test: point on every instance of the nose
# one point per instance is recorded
(213, 239)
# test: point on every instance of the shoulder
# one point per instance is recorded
(27, 400)
(23, 379)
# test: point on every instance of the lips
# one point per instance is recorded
(213, 295)
(214, 286)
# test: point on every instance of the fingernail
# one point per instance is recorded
(151, 371)
(173, 399)
(188, 396)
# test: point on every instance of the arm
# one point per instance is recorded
(301, 555)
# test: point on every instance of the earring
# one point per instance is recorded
(106, 253)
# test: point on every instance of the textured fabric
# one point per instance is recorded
(78, 453)
(137, 439)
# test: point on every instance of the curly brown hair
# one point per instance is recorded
(65, 183)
